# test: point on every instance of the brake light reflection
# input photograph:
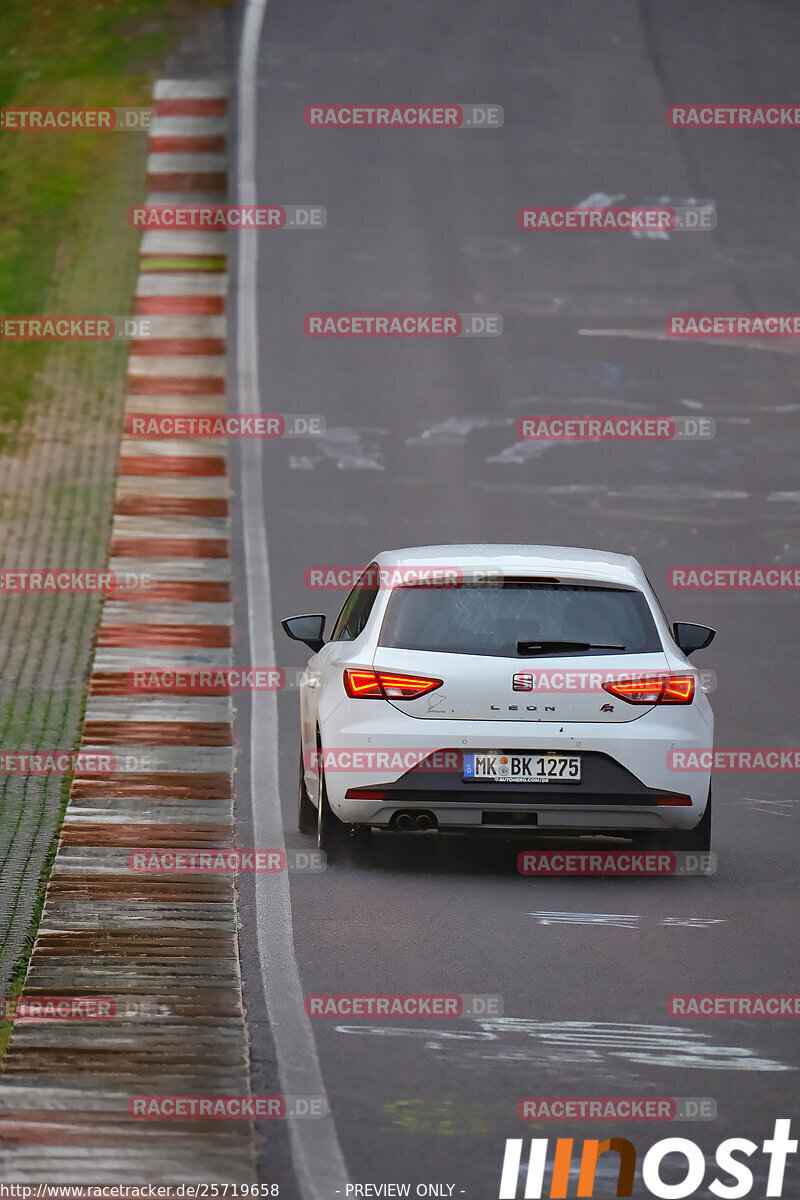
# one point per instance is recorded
(663, 689)
(387, 685)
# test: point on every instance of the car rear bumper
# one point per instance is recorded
(627, 783)
(500, 818)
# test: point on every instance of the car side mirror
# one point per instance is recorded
(692, 637)
(309, 630)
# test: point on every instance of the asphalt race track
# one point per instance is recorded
(421, 448)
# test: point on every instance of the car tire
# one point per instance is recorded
(699, 838)
(330, 830)
(692, 841)
(306, 813)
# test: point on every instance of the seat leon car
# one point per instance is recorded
(502, 688)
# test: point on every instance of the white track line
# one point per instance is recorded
(196, 366)
(318, 1159)
(184, 241)
(188, 126)
(182, 283)
(189, 89)
(177, 326)
(179, 163)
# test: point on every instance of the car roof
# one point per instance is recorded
(515, 559)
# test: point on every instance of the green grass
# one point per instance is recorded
(17, 981)
(79, 54)
(63, 197)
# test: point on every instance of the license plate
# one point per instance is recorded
(523, 768)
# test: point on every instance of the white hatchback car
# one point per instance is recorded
(503, 688)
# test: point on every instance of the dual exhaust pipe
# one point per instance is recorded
(418, 822)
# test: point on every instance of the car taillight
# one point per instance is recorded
(387, 685)
(658, 689)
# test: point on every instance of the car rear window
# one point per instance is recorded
(492, 618)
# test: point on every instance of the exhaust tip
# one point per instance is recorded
(420, 822)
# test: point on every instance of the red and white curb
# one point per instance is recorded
(162, 946)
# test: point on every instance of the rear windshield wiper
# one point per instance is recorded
(545, 647)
